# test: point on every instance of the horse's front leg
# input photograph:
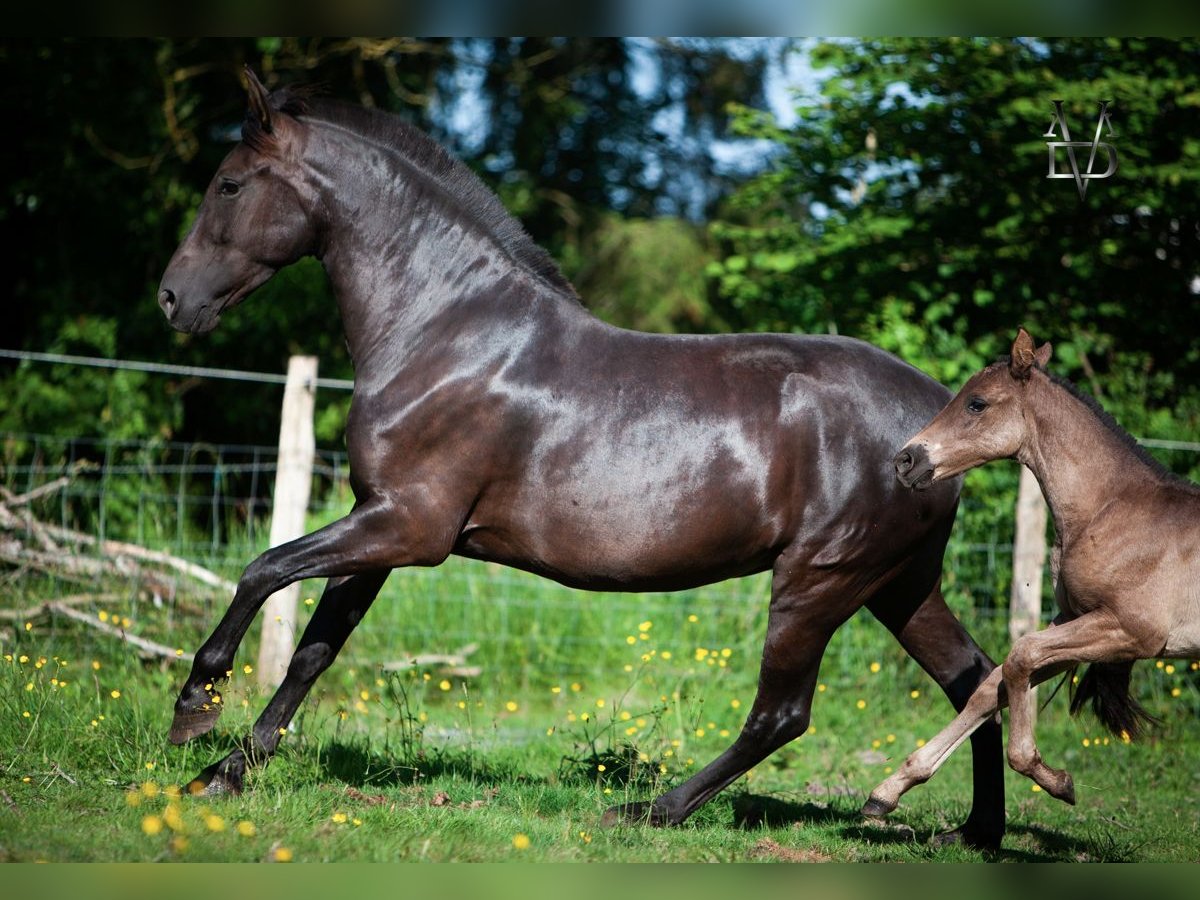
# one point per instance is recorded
(372, 537)
(343, 605)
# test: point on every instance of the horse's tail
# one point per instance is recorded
(1106, 685)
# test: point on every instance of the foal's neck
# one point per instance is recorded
(1079, 461)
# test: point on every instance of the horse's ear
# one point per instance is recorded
(1023, 355)
(260, 105)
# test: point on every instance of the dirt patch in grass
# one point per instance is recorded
(769, 848)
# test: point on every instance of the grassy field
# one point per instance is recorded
(584, 701)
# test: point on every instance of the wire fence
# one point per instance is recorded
(198, 500)
(211, 504)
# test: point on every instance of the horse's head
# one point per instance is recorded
(985, 421)
(256, 218)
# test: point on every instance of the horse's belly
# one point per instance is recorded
(625, 546)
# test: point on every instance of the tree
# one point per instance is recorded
(910, 206)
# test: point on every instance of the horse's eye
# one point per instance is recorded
(229, 188)
(976, 405)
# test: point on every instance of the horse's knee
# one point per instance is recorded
(775, 727)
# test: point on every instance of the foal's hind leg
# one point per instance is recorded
(802, 618)
(1094, 637)
(943, 648)
(343, 604)
(368, 538)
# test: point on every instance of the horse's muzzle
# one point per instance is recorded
(913, 467)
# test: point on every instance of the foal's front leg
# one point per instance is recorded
(924, 762)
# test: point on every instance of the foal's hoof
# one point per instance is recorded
(876, 808)
(1063, 788)
(193, 723)
(215, 781)
(633, 814)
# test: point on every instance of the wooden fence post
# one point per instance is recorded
(1029, 560)
(293, 481)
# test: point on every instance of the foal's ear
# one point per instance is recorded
(1041, 356)
(1023, 356)
(260, 105)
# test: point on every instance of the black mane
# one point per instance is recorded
(1106, 419)
(452, 176)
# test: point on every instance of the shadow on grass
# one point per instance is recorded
(357, 766)
(751, 811)
(1040, 844)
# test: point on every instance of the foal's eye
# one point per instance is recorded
(976, 405)
(228, 188)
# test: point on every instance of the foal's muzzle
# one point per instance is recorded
(166, 302)
(913, 467)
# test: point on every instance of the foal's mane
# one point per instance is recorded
(1127, 440)
(462, 186)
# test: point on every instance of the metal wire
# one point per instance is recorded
(337, 384)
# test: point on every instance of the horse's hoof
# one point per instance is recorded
(193, 723)
(876, 808)
(633, 814)
(966, 836)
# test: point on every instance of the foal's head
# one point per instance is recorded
(256, 218)
(985, 421)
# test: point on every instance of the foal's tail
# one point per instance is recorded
(1106, 685)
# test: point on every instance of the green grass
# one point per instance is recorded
(433, 767)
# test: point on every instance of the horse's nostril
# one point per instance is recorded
(166, 299)
(904, 461)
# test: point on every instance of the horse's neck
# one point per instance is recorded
(402, 264)
(1077, 459)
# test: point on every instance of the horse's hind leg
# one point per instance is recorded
(943, 648)
(368, 538)
(343, 604)
(803, 616)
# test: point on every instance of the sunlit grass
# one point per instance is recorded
(520, 764)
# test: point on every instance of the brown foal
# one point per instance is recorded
(1126, 555)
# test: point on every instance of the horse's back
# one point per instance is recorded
(666, 461)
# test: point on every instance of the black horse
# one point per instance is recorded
(493, 417)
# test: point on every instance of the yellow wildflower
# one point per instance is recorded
(520, 842)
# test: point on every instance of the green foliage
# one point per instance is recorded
(645, 274)
(912, 189)
(72, 400)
